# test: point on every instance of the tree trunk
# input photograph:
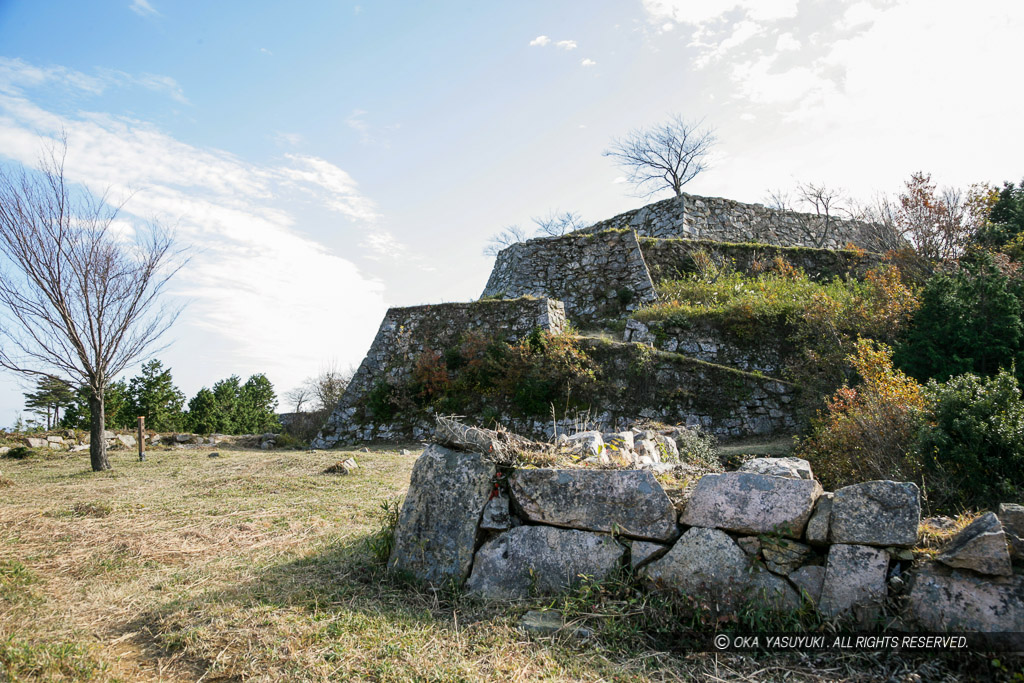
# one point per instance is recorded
(97, 444)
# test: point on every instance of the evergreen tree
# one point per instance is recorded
(256, 405)
(226, 394)
(116, 412)
(203, 415)
(154, 396)
(968, 322)
(50, 396)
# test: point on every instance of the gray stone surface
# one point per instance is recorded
(876, 513)
(854, 582)
(619, 441)
(126, 440)
(668, 448)
(629, 502)
(980, 546)
(706, 563)
(496, 516)
(642, 552)
(540, 560)
(794, 468)
(943, 599)
(752, 503)
(33, 442)
(586, 443)
(751, 545)
(809, 581)
(437, 526)
(783, 555)
(818, 524)
(1012, 518)
(764, 587)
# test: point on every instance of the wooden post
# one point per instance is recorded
(142, 440)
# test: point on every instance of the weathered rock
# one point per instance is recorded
(751, 545)
(126, 440)
(794, 468)
(78, 449)
(33, 442)
(214, 454)
(179, 438)
(876, 513)
(752, 503)
(55, 441)
(548, 623)
(647, 448)
(981, 547)
(628, 502)
(437, 526)
(1012, 518)
(943, 599)
(668, 448)
(350, 463)
(496, 515)
(542, 560)
(764, 587)
(818, 524)
(782, 555)
(703, 562)
(642, 552)
(809, 581)
(619, 441)
(4, 450)
(589, 444)
(854, 582)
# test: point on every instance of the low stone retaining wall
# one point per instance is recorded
(765, 535)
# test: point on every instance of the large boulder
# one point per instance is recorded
(854, 582)
(943, 599)
(629, 502)
(980, 546)
(750, 503)
(794, 468)
(883, 513)
(437, 527)
(540, 560)
(33, 442)
(704, 563)
(1012, 518)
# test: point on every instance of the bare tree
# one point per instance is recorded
(663, 157)
(779, 199)
(77, 300)
(827, 202)
(510, 235)
(558, 223)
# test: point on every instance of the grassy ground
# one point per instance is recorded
(254, 566)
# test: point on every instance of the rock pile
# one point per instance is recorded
(767, 534)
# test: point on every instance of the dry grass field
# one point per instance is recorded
(255, 566)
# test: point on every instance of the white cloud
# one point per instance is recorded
(16, 74)
(143, 8)
(704, 11)
(667, 26)
(540, 41)
(566, 44)
(786, 42)
(257, 284)
(383, 246)
(587, 62)
(266, 51)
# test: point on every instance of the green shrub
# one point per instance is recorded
(20, 453)
(382, 542)
(973, 443)
(697, 448)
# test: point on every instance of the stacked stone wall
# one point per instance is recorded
(406, 333)
(765, 536)
(596, 275)
(724, 220)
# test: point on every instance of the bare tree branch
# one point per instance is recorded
(663, 157)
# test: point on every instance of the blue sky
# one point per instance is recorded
(327, 160)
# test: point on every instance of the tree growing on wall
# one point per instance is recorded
(78, 300)
(665, 156)
(828, 203)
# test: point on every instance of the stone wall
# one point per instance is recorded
(669, 258)
(596, 275)
(406, 333)
(714, 218)
(765, 536)
(714, 343)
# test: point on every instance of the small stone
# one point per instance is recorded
(792, 467)
(809, 581)
(818, 524)
(496, 515)
(350, 463)
(405, 451)
(855, 578)
(876, 513)
(648, 449)
(364, 449)
(981, 547)
(642, 552)
(751, 545)
(618, 442)
(215, 454)
(548, 623)
(783, 555)
(667, 447)
(588, 444)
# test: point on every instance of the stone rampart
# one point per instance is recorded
(725, 220)
(763, 537)
(596, 275)
(406, 333)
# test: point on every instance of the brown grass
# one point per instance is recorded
(252, 566)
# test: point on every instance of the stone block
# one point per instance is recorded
(818, 524)
(794, 468)
(437, 527)
(749, 503)
(854, 582)
(879, 513)
(943, 599)
(980, 546)
(809, 581)
(1011, 516)
(705, 563)
(629, 502)
(540, 560)
(642, 552)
